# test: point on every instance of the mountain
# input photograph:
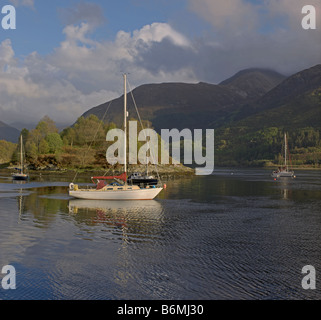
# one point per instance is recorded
(294, 86)
(182, 105)
(254, 133)
(174, 105)
(295, 102)
(249, 111)
(8, 133)
(254, 83)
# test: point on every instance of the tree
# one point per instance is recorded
(68, 136)
(89, 130)
(54, 142)
(25, 134)
(8, 151)
(33, 140)
(44, 147)
(31, 150)
(46, 126)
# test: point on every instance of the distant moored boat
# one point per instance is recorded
(283, 171)
(20, 175)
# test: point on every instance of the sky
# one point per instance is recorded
(67, 56)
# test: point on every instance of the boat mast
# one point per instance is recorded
(285, 144)
(21, 164)
(125, 122)
(147, 160)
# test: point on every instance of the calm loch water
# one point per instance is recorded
(236, 234)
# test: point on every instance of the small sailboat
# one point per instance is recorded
(140, 179)
(118, 189)
(283, 171)
(20, 175)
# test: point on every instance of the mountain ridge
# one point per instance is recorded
(266, 80)
(8, 133)
(250, 113)
(285, 101)
(199, 105)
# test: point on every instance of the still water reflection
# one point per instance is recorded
(233, 235)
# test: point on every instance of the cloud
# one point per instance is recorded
(36, 88)
(25, 3)
(249, 14)
(256, 34)
(234, 15)
(157, 32)
(82, 72)
(92, 64)
(6, 53)
(90, 13)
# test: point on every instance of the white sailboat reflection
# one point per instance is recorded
(151, 208)
(137, 214)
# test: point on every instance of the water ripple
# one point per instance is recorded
(235, 237)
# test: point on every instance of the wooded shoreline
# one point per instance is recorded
(161, 170)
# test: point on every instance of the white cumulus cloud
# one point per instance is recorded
(81, 73)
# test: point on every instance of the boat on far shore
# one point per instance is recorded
(283, 171)
(137, 178)
(20, 175)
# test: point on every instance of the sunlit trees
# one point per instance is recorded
(54, 141)
(7, 151)
(42, 140)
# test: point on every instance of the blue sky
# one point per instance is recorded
(40, 26)
(67, 56)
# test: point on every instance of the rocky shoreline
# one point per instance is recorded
(161, 170)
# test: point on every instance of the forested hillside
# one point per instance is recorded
(250, 112)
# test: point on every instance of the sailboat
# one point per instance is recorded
(20, 175)
(140, 179)
(119, 189)
(283, 171)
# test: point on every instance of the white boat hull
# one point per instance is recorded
(92, 194)
(283, 174)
